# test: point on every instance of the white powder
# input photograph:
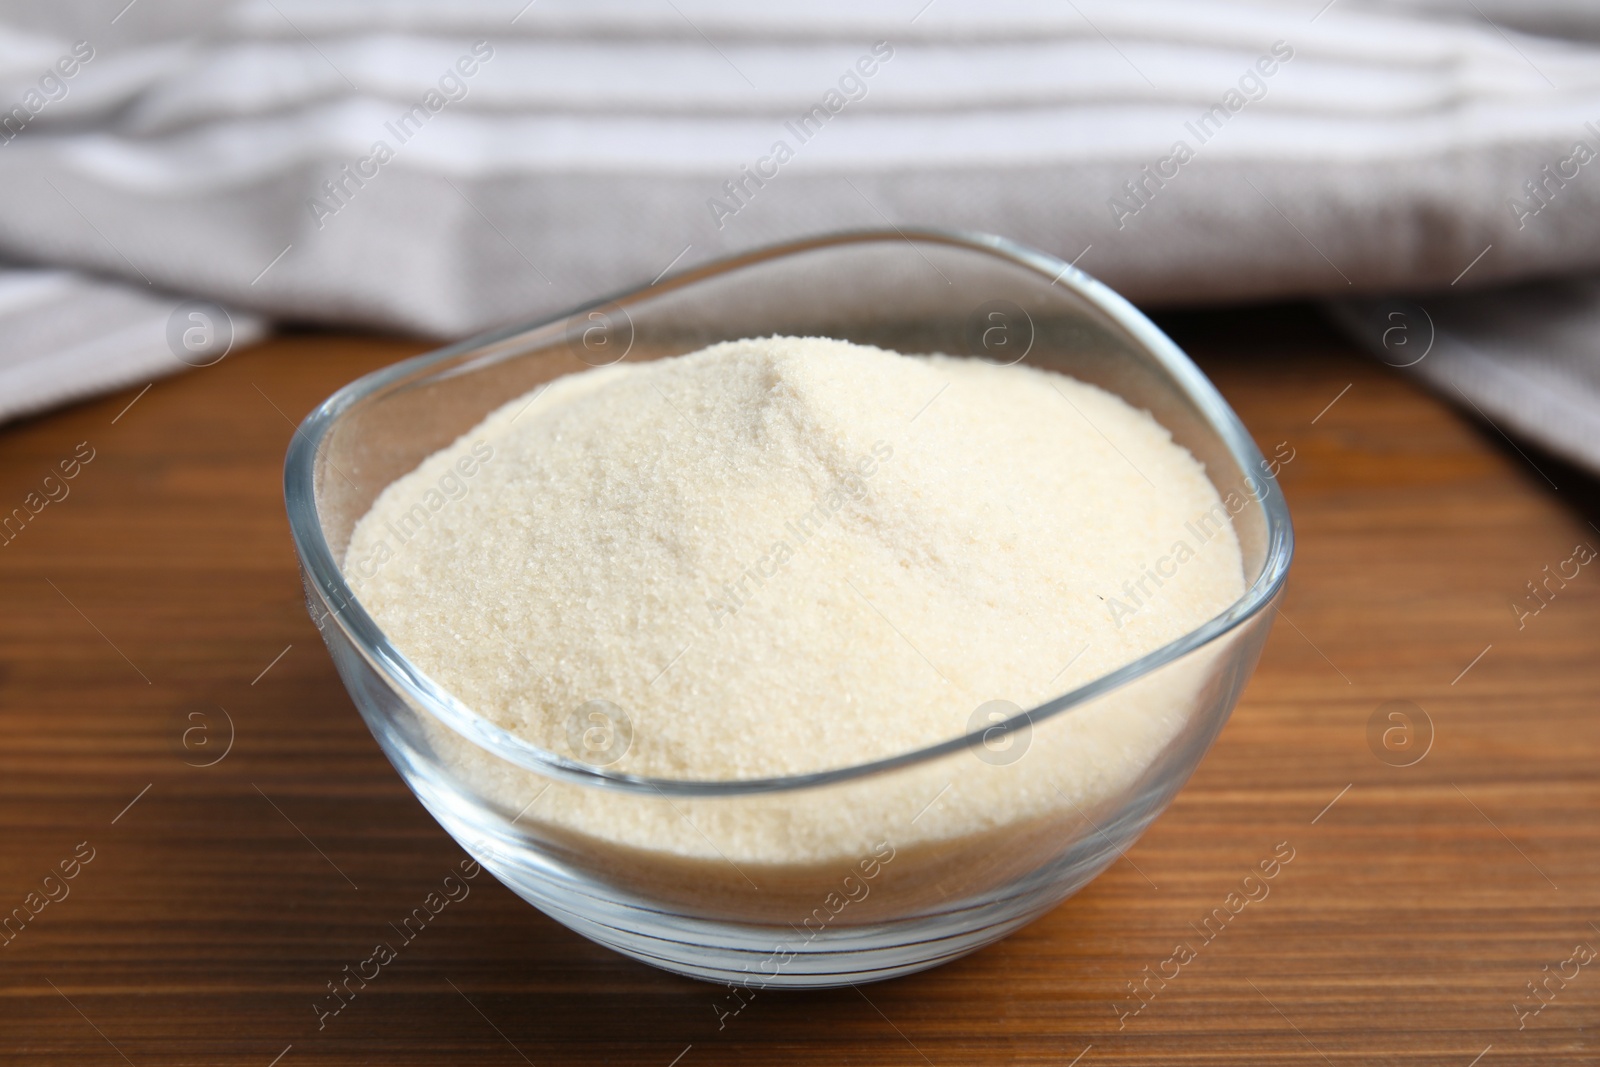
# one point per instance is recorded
(791, 554)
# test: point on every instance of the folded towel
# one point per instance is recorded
(446, 168)
(68, 336)
(1525, 359)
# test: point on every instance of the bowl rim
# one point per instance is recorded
(322, 571)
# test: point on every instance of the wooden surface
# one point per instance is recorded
(215, 908)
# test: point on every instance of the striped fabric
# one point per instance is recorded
(442, 168)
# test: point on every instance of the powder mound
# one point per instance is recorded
(782, 555)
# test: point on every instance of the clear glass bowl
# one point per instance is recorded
(907, 861)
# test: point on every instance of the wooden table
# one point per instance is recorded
(220, 899)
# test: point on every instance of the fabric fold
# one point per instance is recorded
(443, 169)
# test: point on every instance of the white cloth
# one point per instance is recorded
(69, 336)
(582, 147)
(1525, 359)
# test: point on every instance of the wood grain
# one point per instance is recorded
(158, 591)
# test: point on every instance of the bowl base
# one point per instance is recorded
(757, 956)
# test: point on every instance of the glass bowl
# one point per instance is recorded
(847, 875)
